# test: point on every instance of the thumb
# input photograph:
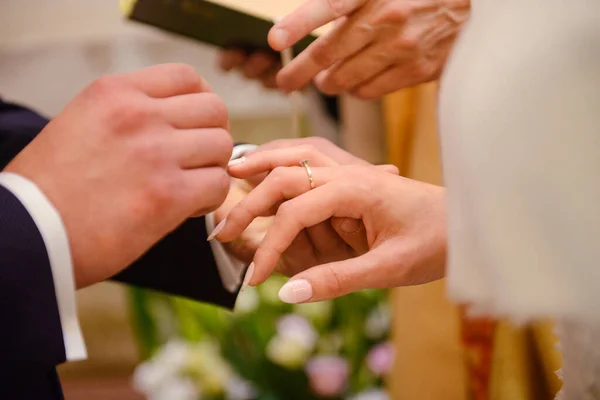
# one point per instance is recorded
(328, 281)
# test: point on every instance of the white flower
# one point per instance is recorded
(248, 301)
(149, 377)
(166, 364)
(176, 389)
(287, 351)
(240, 389)
(319, 311)
(378, 322)
(371, 394)
(173, 355)
(299, 329)
(208, 367)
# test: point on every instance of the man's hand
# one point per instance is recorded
(375, 47)
(260, 66)
(128, 160)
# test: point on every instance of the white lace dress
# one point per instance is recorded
(520, 129)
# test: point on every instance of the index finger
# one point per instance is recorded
(168, 80)
(293, 216)
(308, 17)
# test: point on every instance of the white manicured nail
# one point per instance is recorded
(248, 276)
(237, 161)
(296, 291)
(217, 229)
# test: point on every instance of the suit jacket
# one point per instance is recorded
(31, 340)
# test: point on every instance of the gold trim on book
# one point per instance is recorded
(126, 6)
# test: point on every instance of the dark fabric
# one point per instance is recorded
(31, 342)
(181, 264)
(332, 106)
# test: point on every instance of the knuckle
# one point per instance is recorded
(336, 82)
(333, 280)
(221, 143)
(127, 116)
(185, 76)
(105, 86)
(338, 7)
(396, 11)
(217, 109)
(319, 143)
(285, 210)
(160, 193)
(366, 93)
(307, 151)
(150, 154)
(278, 175)
(321, 52)
(405, 44)
(185, 72)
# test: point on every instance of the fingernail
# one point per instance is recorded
(217, 229)
(237, 161)
(248, 276)
(281, 37)
(296, 291)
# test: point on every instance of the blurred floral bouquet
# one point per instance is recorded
(266, 350)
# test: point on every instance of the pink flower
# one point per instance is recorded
(380, 359)
(328, 375)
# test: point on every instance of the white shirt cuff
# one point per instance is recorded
(230, 268)
(53, 232)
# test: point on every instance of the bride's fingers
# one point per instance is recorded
(267, 160)
(313, 207)
(352, 232)
(328, 281)
(281, 184)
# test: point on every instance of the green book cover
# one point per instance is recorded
(207, 22)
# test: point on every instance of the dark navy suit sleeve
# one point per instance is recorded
(31, 340)
(181, 264)
(31, 330)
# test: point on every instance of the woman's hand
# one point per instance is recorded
(329, 241)
(401, 226)
(260, 66)
(375, 47)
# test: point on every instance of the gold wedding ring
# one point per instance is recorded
(304, 163)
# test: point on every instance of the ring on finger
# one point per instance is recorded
(304, 163)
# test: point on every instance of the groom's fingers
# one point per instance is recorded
(315, 206)
(328, 281)
(267, 160)
(309, 16)
(280, 185)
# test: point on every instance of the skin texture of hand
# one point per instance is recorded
(331, 240)
(375, 46)
(128, 160)
(403, 224)
(260, 66)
